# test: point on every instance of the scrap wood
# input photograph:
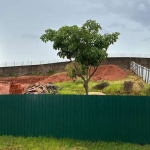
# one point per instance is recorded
(41, 88)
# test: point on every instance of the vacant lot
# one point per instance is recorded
(111, 74)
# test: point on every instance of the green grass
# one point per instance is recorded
(70, 88)
(41, 143)
(114, 88)
(74, 87)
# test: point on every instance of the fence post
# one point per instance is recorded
(142, 71)
(148, 76)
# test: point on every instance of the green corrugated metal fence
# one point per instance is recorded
(108, 118)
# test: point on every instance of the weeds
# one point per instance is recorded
(127, 86)
(118, 87)
(50, 72)
(42, 143)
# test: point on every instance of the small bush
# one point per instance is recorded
(147, 92)
(50, 72)
(79, 81)
(127, 86)
(112, 89)
(101, 86)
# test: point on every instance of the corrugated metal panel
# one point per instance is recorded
(108, 118)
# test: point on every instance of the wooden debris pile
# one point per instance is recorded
(41, 89)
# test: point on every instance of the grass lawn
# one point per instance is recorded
(114, 88)
(40, 143)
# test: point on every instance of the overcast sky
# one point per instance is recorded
(22, 22)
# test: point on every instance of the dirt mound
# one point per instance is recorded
(105, 72)
(56, 78)
(109, 72)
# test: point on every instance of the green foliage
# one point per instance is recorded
(74, 69)
(113, 89)
(145, 91)
(70, 88)
(101, 85)
(50, 72)
(79, 81)
(84, 44)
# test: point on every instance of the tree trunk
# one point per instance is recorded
(86, 87)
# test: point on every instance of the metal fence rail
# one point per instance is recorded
(129, 55)
(30, 63)
(110, 55)
(141, 71)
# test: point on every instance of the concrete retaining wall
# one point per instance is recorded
(123, 63)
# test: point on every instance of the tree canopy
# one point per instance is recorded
(85, 45)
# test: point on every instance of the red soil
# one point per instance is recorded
(56, 78)
(4, 88)
(105, 72)
(109, 72)
(23, 79)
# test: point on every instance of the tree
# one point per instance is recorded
(74, 70)
(85, 45)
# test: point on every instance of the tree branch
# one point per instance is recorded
(79, 74)
(95, 68)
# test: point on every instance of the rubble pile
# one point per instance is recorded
(40, 88)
